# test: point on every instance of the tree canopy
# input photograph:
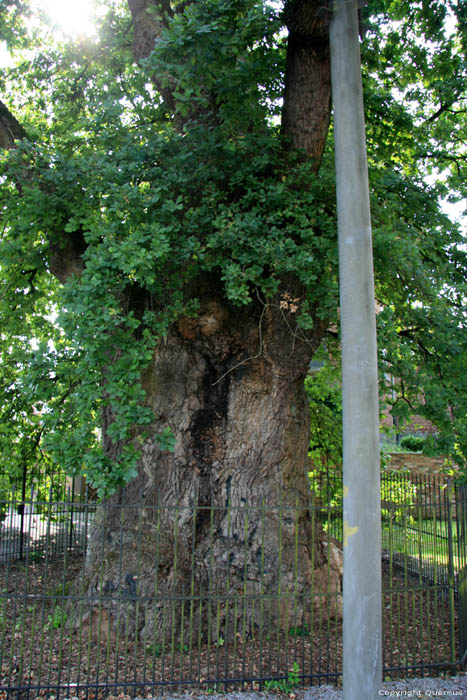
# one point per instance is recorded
(124, 182)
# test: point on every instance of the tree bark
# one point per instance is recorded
(307, 95)
(227, 513)
(10, 128)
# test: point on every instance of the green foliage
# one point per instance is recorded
(213, 39)
(323, 388)
(159, 195)
(135, 196)
(13, 16)
(62, 589)
(413, 443)
(35, 556)
(4, 495)
(304, 631)
(388, 448)
(286, 685)
(324, 391)
(415, 107)
(57, 619)
(396, 496)
(155, 650)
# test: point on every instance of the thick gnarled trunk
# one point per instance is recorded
(227, 514)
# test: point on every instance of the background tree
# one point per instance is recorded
(169, 240)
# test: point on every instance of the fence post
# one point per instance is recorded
(461, 519)
(21, 512)
(451, 578)
(70, 539)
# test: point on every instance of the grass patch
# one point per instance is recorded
(426, 539)
(422, 539)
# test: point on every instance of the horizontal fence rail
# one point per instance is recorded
(104, 599)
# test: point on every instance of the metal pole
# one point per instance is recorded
(362, 500)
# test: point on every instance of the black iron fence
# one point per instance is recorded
(422, 531)
(29, 527)
(43, 481)
(104, 599)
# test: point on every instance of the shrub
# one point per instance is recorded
(412, 443)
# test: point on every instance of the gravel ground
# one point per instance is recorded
(416, 688)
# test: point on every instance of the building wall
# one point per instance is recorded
(416, 463)
(416, 426)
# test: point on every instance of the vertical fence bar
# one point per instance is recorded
(46, 567)
(192, 593)
(71, 513)
(173, 610)
(391, 595)
(279, 583)
(60, 592)
(420, 505)
(245, 593)
(437, 575)
(312, 587)
(262, 592)
(20, 624)
(461, 520)
(21, 513)
(135, 590)
(451, 582)
(127, 622)
(293, 607)
(211, 584)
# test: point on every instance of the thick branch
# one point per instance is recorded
(149, 18)
(147, 26)
(307, 97)
(10, 128)
(65, 250)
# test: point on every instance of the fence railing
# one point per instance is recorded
(117, 598)
(30, 527)
(420, 526)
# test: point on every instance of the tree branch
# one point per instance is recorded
(443, 108)
(307, 96)
(456, 159)
(65, 250)
(147, 26)
(149, 19)
(10, 128)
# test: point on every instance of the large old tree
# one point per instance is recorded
(169, 241)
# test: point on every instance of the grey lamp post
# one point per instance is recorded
(362, 505)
